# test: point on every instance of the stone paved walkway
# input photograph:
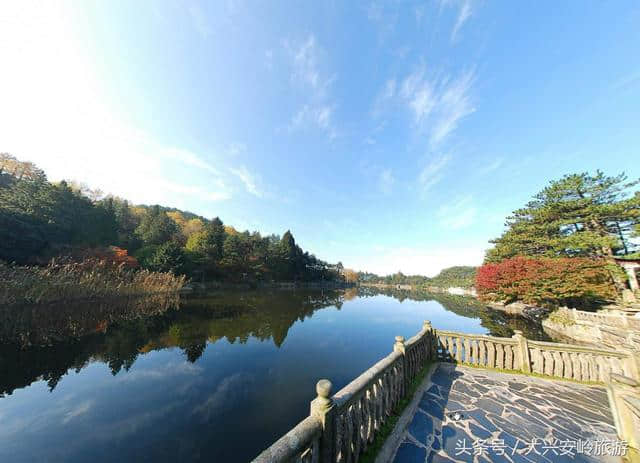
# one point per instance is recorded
(496, 407)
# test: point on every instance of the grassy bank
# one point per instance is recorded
(90, 279)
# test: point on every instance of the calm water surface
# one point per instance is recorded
(216, 380)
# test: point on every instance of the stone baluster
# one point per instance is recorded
(523, 351)
(324, 409)
(399, 346)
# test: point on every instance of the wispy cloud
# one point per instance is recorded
(454, 104)
(438, 104)
(627, 82)
(189, 158)
(459, 213)
(491, 166)
(385, 95)
(248, 179)
(419, 94)
(305, 57)
(464, 13)
(314, 116)
(431, 173)
(382, 178)
(196, 191)
(80, 409)
(318, 109)
(385, 17)
(465, 10)
(231, 389)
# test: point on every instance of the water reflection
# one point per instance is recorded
(216, 378)
(496, 322)
(44, 342)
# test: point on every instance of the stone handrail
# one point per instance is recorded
(300, 444)
(566, 361)
(601, 319)
(341, 427)
(478, 350)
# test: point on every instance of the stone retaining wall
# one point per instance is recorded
(613, 331)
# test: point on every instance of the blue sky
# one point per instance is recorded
(388, 135)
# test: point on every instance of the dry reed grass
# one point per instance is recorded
(89, 279)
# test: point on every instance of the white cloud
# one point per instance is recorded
(248, 179)
(438, 104)
(415, 261)
(459, 213)
(454, 104)
(80, 409)
(318, 116)
(383, 16)
(188, 158)
(306, 69)
(386, 180)
(464, 13)
(230, 390)
(173, 368)
(431, 173)
(490, 167)
(318, 110)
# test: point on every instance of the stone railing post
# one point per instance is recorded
(324, 409)
(624, 397)
(523, 351)
(427, 329)
(399, 346)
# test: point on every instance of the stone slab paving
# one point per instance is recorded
(463, 407)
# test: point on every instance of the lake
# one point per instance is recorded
(217, 378)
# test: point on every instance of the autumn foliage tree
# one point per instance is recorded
(579, 215)
(546, 281)
(40, 220)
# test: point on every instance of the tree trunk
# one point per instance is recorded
(607, 253)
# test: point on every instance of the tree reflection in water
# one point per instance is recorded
(44, 342)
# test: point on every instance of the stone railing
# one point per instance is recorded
(596, 328)
(546, 358)
(341, 427)
(624, 398)
(602, 319)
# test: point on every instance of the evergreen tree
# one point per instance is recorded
(169, 257)
(156, 227)
(580, 215)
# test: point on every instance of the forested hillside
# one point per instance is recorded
(460, 276)
(40, 220)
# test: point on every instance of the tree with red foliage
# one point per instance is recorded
(546, 281)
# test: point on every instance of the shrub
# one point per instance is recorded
(546, 281)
